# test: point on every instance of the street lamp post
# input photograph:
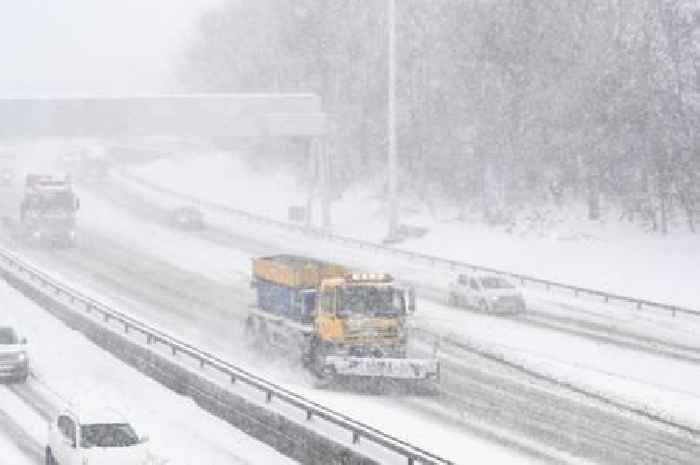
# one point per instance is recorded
(391, 124)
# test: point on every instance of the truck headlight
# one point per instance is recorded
(22, 357)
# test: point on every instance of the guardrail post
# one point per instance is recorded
(309, 415)
(411, 461)
(174, 350)
(105, 316)
(233, 379)
(126, 328)
(268, 396)
(355, 437)
(673, 312)
(201, 363)
(639, 305)
(607, 298)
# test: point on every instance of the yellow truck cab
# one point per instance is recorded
(363, 312)
(343, 323)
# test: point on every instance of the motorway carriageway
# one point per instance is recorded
(108, 260)
(610, 348)
(227, 266)
(408, 416)
(231, 267)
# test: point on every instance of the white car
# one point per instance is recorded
(94, 437)
(485, 292)
(14, 364)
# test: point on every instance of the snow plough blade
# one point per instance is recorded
(396, 368)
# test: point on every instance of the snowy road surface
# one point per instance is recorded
(67, 368)
(218, 332)
(108, 258)
(226, 267)
(621, 372)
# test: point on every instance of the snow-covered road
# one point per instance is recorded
(69, 369)
(110, 259)
(169, 246)
(619, 372)
(218, 268)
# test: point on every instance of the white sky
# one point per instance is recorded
(93, 46)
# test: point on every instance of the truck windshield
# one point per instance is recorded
(370, 301)
(108, 435)
(8, 336)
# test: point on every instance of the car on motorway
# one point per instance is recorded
(485, 292)
(103, 436)
(14, 363)
(187, 217)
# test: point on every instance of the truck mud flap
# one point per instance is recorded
(396, 368)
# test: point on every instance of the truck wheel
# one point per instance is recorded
(251, 330)
(323, 375)
(48, 456)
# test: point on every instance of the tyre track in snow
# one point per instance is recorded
(15, 428)
(622, 440)
(35, 400)
(476, 399)
(25, 443)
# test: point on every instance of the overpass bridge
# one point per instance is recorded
(180, 115)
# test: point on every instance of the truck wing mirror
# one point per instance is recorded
(70, 442)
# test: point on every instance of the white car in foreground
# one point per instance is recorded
(94, 437)
(485, 292)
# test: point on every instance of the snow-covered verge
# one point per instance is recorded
(615, 256)
(70, 369)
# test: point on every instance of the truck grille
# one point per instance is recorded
(9, 362)
(372, 333)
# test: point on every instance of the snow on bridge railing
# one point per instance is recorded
(452, 265)
(357, 429)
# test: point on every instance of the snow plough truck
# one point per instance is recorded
(48, 210)
(343, 324)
